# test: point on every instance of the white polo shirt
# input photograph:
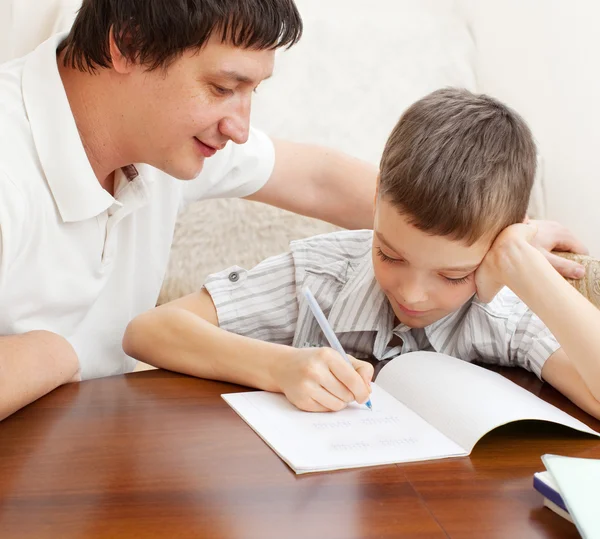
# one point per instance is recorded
(73, 259)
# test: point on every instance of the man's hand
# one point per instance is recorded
(552, 236)
(319, 380)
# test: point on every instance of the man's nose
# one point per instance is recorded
(236, 125)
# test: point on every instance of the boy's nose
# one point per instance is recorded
(412, 294)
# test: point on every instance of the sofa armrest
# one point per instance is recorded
(589, 285)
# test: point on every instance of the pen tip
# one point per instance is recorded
(370, 406)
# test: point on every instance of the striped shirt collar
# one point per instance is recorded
(363, 306)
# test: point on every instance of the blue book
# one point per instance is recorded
(544, 483)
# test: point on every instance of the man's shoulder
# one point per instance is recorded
(15, 131)
(11, 93)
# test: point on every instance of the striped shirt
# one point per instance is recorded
(266, 303)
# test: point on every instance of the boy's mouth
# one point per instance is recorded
(411, 312)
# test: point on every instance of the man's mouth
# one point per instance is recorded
(205, 149)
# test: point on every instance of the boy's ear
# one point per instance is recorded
(120, 61)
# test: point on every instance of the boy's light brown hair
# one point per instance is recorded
(459, 164)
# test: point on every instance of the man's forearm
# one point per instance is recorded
(322, 183)
(346, 190)
(32, 365)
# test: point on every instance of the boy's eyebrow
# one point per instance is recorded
(238, 77)
(384, 241)
(466, 269)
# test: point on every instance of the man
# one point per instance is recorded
(96, 128)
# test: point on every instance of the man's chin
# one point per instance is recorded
(186, 174)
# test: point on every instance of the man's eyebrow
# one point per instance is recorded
(238, 77)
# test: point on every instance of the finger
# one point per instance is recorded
(567, 268)
(348, 376)
(327, 401)
(365, 370)
(336, 388)
(570, 244)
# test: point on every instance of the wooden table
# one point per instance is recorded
(156, 454)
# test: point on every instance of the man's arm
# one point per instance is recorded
(31, 365)
(321, 183)
(574, 369)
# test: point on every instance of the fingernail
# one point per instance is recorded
(578, 273)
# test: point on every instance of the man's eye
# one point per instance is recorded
(219, 90)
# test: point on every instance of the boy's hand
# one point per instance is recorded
(509, 258)
(552, 236)
(319, 380)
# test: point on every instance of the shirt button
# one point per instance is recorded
(234, 276)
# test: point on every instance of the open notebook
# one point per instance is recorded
(425, 406)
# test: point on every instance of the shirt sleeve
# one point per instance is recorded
(238, 170)
(506, 332)
(260, 303)
(531, 343)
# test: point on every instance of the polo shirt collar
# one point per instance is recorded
(74, 186)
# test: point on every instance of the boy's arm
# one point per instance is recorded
(574, 369)
(184, 336)
(31, 365)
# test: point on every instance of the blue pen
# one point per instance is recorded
(327, 330)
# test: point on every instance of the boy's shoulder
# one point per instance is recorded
(344, 246)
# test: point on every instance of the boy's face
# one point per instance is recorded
(183, 114)
(424, 277)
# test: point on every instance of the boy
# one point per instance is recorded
(455, 180)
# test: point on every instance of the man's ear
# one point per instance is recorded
(122, 63)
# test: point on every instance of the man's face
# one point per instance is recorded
(424, 277)
(186, 113)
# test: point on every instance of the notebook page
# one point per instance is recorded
(351, 438)
(462, 400)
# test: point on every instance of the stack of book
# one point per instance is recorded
(544, 483)
(570, 487)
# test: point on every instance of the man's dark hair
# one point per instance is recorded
(155, 32)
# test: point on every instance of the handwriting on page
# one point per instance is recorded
(363, 446)
(345, 423)
(378, 441)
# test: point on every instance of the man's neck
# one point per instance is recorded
(95, 111)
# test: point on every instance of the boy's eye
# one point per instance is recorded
(460, 280)
(386, 258)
